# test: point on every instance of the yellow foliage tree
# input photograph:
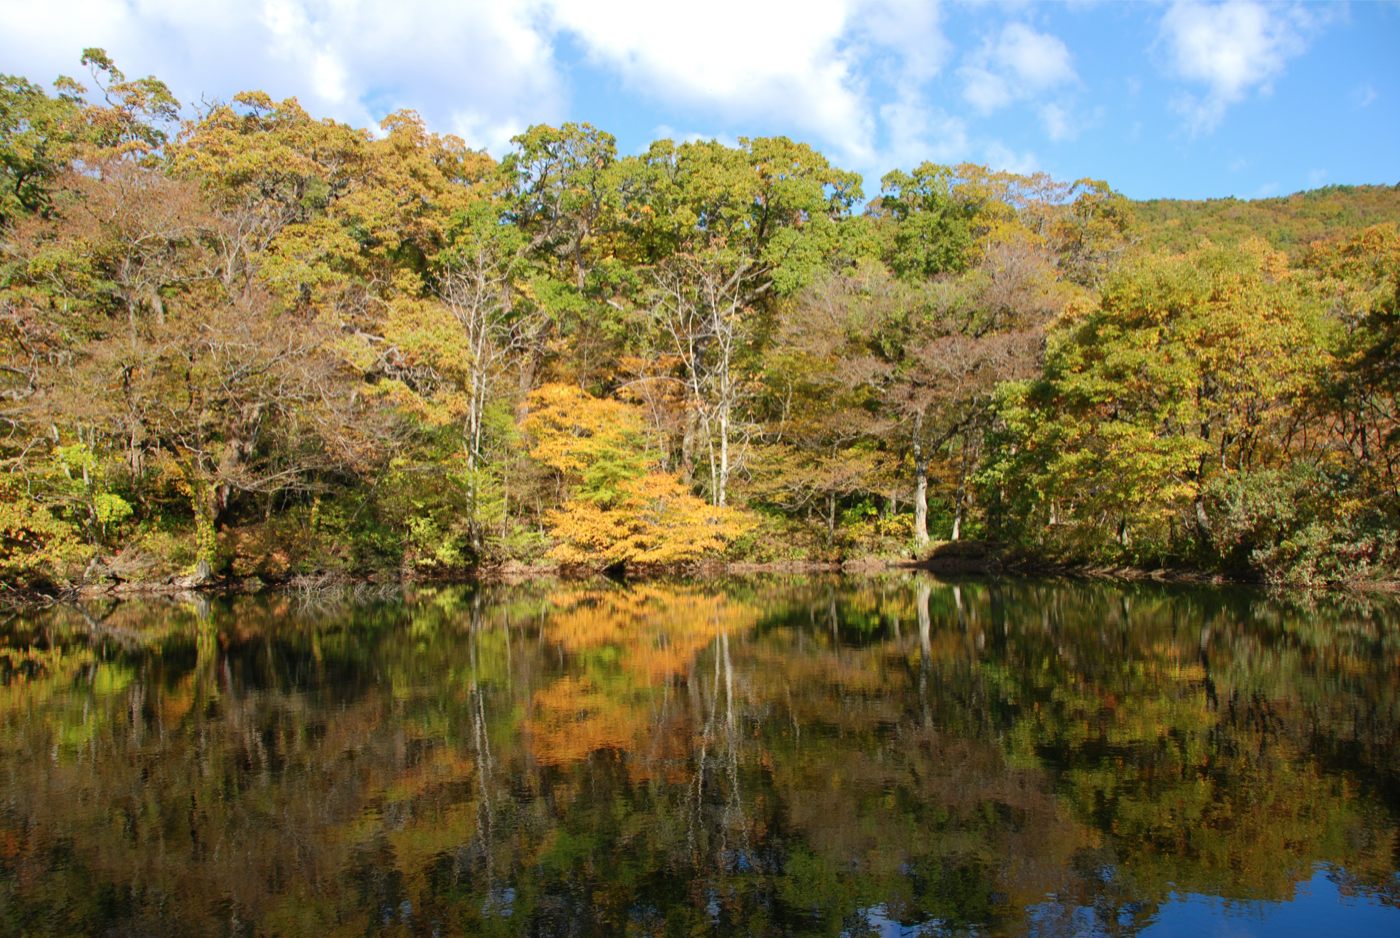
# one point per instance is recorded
(654, 521)
(593, 443)
(622, 509)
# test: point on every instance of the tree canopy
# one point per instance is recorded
(255, 341)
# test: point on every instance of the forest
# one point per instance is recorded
(255, 343)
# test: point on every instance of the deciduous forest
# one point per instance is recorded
(251, 342)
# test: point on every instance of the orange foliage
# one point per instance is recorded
(659, 630)
(620, 512)
(572, 429)
(656, 521)
(657, 633)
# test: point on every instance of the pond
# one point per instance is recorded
(891, 755)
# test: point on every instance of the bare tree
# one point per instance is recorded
(476, 288)
(699, 306)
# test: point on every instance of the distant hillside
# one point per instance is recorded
(1288, 222)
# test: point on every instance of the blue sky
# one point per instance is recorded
(1175, 99)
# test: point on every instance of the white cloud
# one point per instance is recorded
(916, 132)
(805, 64)
(739, 58)
(853, 76)
(984, 89)
(1231, 48)
(1017, 63)
(1077, 119)
(810, 65)
(1059, 123)
(488, 68)
(910, 28)
(485, 69)
(998, 155)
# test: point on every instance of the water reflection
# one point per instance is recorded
(878, 756)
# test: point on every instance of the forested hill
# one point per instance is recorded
(1289, 223)
(255, 342)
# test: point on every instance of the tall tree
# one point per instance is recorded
(728, 232)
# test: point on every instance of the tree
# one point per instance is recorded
(1094, 235)
(654, 521)
(727, 231)
(449, 354)
(931, 231)
(1359, 281)
(39, 132)
(258, 327)
(190, 373)
(620, 510)
(1185, 368)
(699, 308)
(561, 192)
(822, 387)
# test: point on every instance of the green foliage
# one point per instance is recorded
(1290, 223)
(37, 132)
(111, 509)
(257, 329)
(1176, 376)
(932, 234)
(35, 547)
(1301, 525)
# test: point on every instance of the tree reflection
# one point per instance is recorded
(790, 755)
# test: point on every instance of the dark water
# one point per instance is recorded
(891, 756)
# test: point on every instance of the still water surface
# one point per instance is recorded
(889, 756)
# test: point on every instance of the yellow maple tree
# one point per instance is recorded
(622, 509)
(655, 520)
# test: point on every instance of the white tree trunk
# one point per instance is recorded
(722, 488)
(920, 486)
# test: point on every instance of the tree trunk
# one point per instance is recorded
(687, 467)
(475, 423)
(921, 503)
(960, 496)
(206, 529)
(920, 486)
(722, 492)
(714, 464)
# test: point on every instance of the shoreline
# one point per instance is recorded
(969, 560)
